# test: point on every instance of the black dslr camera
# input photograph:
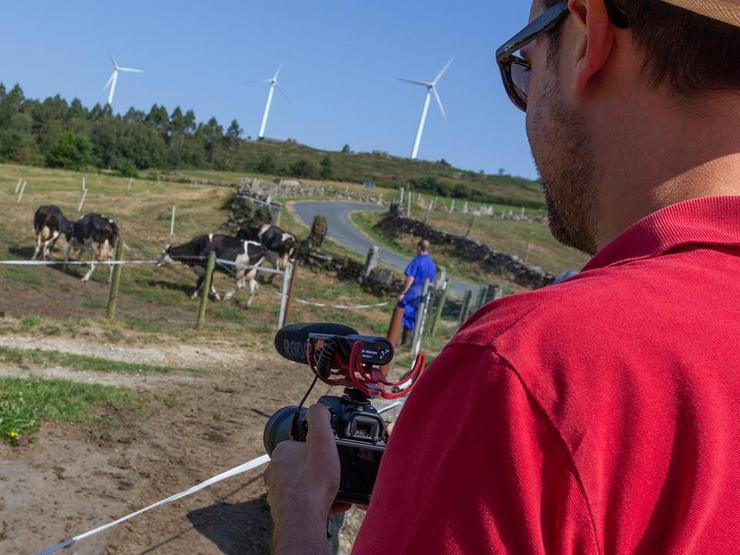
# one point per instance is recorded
(334, 352)
(360, 434)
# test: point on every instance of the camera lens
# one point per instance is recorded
(278, 428)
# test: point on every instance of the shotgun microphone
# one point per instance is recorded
(291, 340)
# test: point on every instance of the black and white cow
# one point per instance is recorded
(97, 235)
(49, 224)
(279, 244)
(246, 255)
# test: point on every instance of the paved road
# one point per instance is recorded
(344, 232)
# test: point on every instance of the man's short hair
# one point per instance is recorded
(694, 53)
(423, 245)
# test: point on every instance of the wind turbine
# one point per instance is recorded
(113, 79)
(273, 85)
(431, 89)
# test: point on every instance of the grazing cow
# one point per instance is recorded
(247, 255)
(97, 235)
(49, 224)
(279, 244)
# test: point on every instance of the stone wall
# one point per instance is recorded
(506, 265)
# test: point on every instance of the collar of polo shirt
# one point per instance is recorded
(727, 11)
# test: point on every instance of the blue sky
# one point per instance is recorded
(341, 60)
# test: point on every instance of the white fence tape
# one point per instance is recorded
(121, 263)
(72, 262)
(254, 463)
(339, 306)
(241, 469)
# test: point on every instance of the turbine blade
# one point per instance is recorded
(113, 60)
(279, 69)
(131, 69)
(281, 91)
(422, 83)
(110, 80)
(444, 70)
(439, 103)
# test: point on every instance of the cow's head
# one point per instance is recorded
(164, 257)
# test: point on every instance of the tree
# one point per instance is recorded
(346, 149)
(326, 168)
(267, 164)
(303, 168)
(71, 151)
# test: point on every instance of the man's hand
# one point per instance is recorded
(303, 480)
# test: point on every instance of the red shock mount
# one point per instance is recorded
(367, 378)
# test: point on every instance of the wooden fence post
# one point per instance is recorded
(470, 226)
(205, 291)
(429, 211)
(115, 282)
(440, 307)
(452, 206)
(82, 201)
(130, 182)
(464, 308)
(20, 193)
(371, 262)
(172, 221)
(18, 185)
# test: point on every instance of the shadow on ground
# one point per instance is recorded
(236, 528)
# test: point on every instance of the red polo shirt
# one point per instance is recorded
(600, 415)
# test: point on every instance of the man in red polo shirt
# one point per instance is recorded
(599, 415)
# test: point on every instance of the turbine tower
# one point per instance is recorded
(431, 89)
(113, 79)
(273, 85)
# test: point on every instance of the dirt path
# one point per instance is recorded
(73, 479)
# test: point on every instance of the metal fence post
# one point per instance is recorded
(422, 323)
(284, 294)
(420, 313)
(291, 284)
(115, 283)
(205, 290)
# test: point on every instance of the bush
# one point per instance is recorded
(128, 170)
(71, 151)
(303, 168)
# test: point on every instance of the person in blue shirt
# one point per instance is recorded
(419, 270)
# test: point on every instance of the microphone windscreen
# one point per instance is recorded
(291, 340)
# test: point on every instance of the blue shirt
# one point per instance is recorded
(421, 268)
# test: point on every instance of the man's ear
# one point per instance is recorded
(595, 42)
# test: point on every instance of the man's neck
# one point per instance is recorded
(689, 155)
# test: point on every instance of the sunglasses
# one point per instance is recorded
(515, 70)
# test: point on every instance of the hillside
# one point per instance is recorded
(55, 132)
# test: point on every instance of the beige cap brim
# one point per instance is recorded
(727, 11)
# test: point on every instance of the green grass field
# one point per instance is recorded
(530, 241)
(25, 403)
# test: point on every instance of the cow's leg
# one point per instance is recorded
(240, 282)
(38, 247)
(214, 293)
(198, 286)
(86, 277)
(66, 254)
(275, 262)
(49, 244)
(110, 274)
(253, 285)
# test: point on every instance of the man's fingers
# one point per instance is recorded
(320, 441)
